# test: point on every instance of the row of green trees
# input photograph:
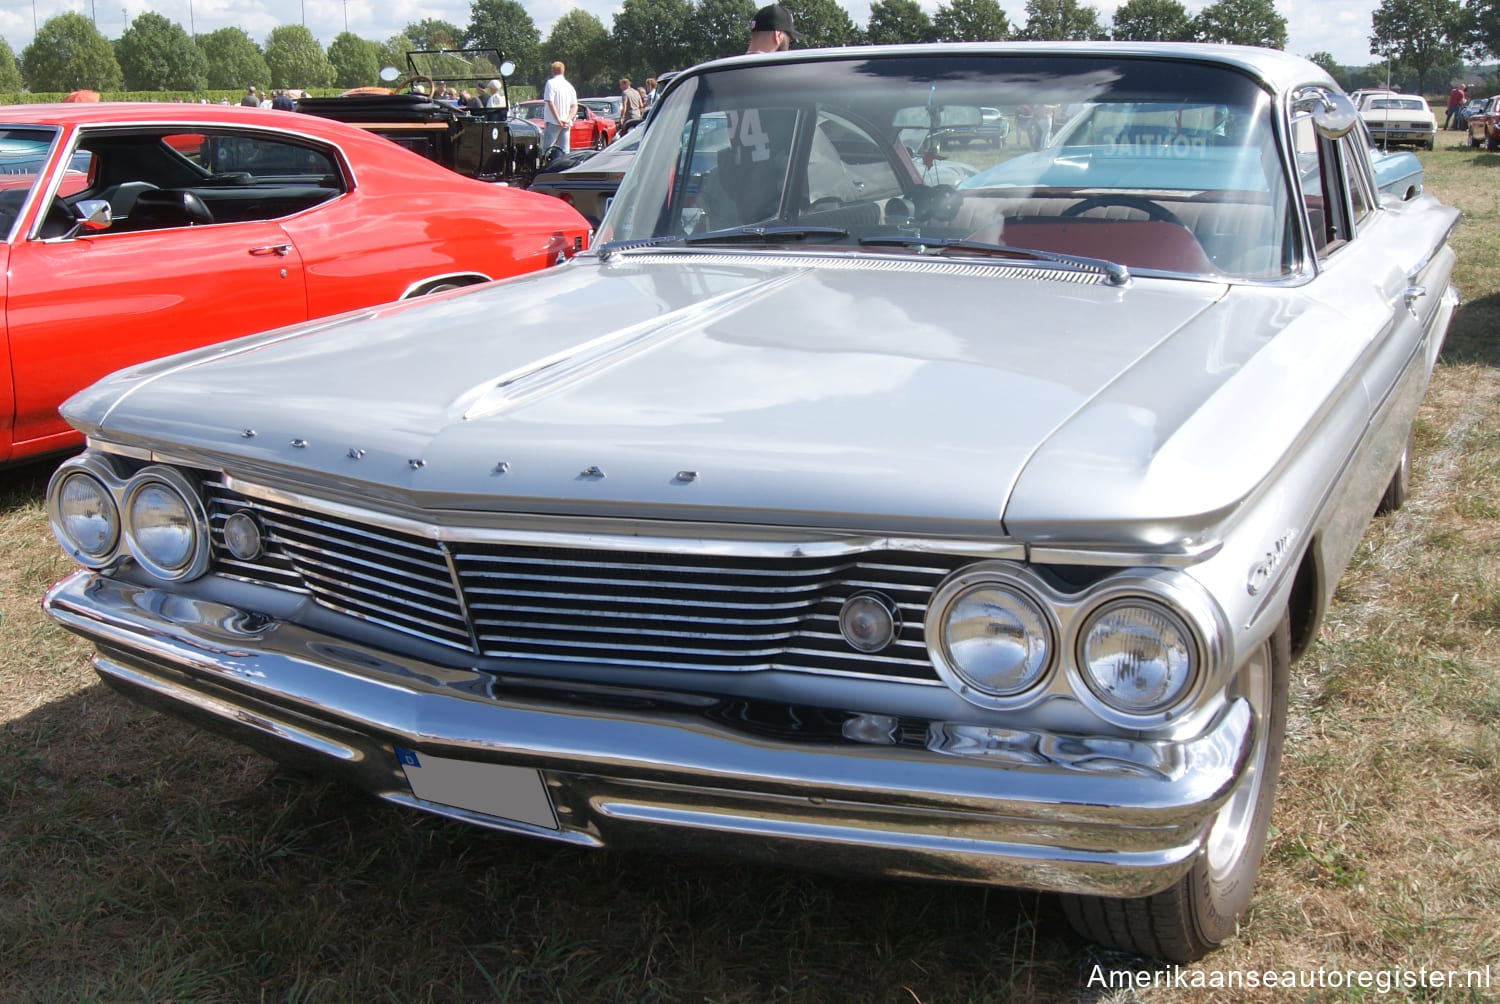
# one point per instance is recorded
(1428, 39)
(1419, 37)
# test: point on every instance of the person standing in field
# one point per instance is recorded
(632, 108)
(559, 108)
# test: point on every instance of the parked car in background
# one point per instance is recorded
(604, 107)
(1466, 111)
(589, 184)
(1484, 125)
(489, 145)
(758, 529)
(1399, 119)
(134, 231)
(590, 129)
(1397, 172)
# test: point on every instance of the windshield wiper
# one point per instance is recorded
(763, 235)
(1114, 272)
(754, 234)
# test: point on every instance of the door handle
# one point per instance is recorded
(279, 250)
(1412, 294)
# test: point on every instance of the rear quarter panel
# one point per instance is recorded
(407, 220)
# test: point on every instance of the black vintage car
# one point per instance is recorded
(483, 143)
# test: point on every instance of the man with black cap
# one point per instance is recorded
(771, 30)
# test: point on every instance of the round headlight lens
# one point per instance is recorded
(1137, 657)
(86, 520)
(163, 526)
(996, 639)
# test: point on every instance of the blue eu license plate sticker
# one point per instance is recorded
(516, 793)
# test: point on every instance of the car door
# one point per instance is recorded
(582, 136)
(82, 306)
(1386, 287)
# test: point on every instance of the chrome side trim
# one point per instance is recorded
(1184, 557)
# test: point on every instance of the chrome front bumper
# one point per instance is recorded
(663, 771)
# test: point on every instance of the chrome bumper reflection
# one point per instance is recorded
(1071, 814)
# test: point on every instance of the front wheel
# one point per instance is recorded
(1202, 910)
(599, 141)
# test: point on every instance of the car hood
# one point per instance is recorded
(887, 394)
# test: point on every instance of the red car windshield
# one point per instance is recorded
(23, 154)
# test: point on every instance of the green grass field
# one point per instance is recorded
(141, 860)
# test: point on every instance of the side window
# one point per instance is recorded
(1325, 193)
(261, 157)
(1362, 199)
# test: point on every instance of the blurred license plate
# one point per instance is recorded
(516, 793)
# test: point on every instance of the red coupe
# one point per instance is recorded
(590, 129)
(136, 230)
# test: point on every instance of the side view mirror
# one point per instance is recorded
(389, 74)
(507, 68)
(92, 215)
(1333, 114)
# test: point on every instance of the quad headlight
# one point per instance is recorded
(165, 526)
(1137, 656)
(989, 637)
(1135, 647)
(84, 517)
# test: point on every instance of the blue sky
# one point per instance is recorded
(1341, 27)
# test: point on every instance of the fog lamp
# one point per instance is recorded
(869, 621)
(243, 537)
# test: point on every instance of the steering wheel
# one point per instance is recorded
(938, 203)
(1153, 210)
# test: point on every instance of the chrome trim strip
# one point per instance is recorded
(456, 583)
(1184, 557)
(660, 536)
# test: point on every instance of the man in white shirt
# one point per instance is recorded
(559, 107)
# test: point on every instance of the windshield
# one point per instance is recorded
(1153, 164)
(23, 154)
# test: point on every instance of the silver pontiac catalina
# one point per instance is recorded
(863, 499)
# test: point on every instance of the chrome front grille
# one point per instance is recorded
(661, 609)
